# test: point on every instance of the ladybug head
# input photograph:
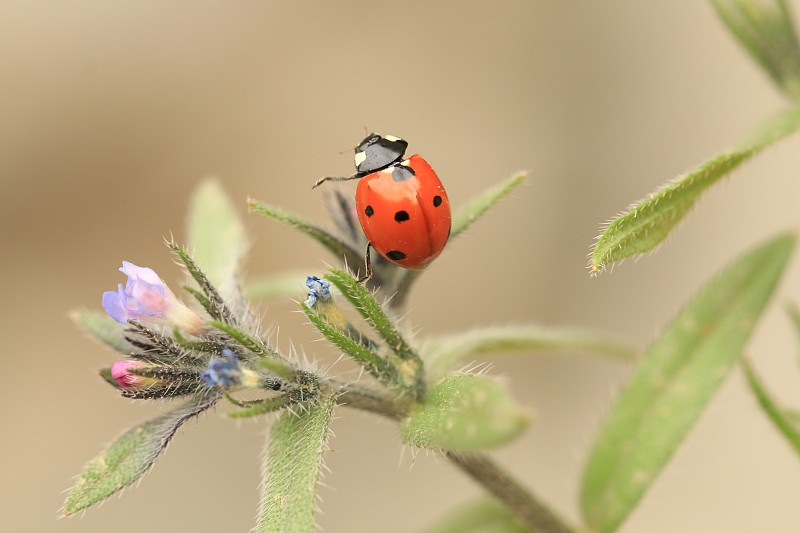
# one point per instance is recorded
(376, 152)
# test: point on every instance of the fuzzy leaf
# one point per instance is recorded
(478, 206)
(766, 30)
(216, 236)
(410, 369)
(130, 456)
(366, 304)
(371, 362)
(213, 302)
(293, 467)
(785, 420)
(103, 328)
(449, 351)
(276, 286)
(261, 407)
(467, 413)
(337, 246)
(677, 378)
(485, 516)
(647, 223)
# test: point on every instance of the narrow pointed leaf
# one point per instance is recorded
(680, 373)
(786, 421)
(366, 304)
(267, 405)
(283, 285)
(478, 206)
(766, 30)
(130, 456)
(371, 361)
(337, 246)
(279, 364)
(214, 303)
(103, 328)
(466, 413)
(216, 236)
(410, 369)
(647, 223)
(292, 468)
(485, 516)
(450, 351)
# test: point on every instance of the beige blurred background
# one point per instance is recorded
(110, 113)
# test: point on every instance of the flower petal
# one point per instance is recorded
(113, 305)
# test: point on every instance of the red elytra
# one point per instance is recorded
(406, 220)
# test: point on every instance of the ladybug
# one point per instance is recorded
(401, 204)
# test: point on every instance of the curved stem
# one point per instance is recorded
(528, 509)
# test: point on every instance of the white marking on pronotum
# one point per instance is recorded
(360, 157)
(392, 138)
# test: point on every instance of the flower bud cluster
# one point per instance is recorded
(179, 353)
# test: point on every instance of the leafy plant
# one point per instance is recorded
(212, 350)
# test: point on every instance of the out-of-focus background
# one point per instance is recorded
(110, 114)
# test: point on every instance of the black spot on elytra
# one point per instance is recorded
(369, 211)
(396, 255)
(437, 201)
(402, 172)
(401, 216)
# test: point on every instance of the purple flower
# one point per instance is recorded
(319, 291)
(222, 372)
(146, 297)
(121, 372)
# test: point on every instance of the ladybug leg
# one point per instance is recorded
(336, 178)
(368, 264)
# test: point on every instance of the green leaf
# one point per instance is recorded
(484, 516)
(680, 373)
(130, 456)
(261, 407)
(467, 413)
(766, 30)
(214, 304)
(216, 236)
(785, 420)
(293, 468)
(647, 223)
(478, 206)
(103, 328)
(278, 363)
(366, 304)
(444, 353)
(410, 368)
(794, 315)
(337, 246)
(371, 361)
(276, 286)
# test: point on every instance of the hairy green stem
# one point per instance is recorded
(519, 500)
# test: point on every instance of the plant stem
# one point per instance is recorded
(528, 509)
(511, 493)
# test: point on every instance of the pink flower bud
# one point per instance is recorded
(121, 372)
